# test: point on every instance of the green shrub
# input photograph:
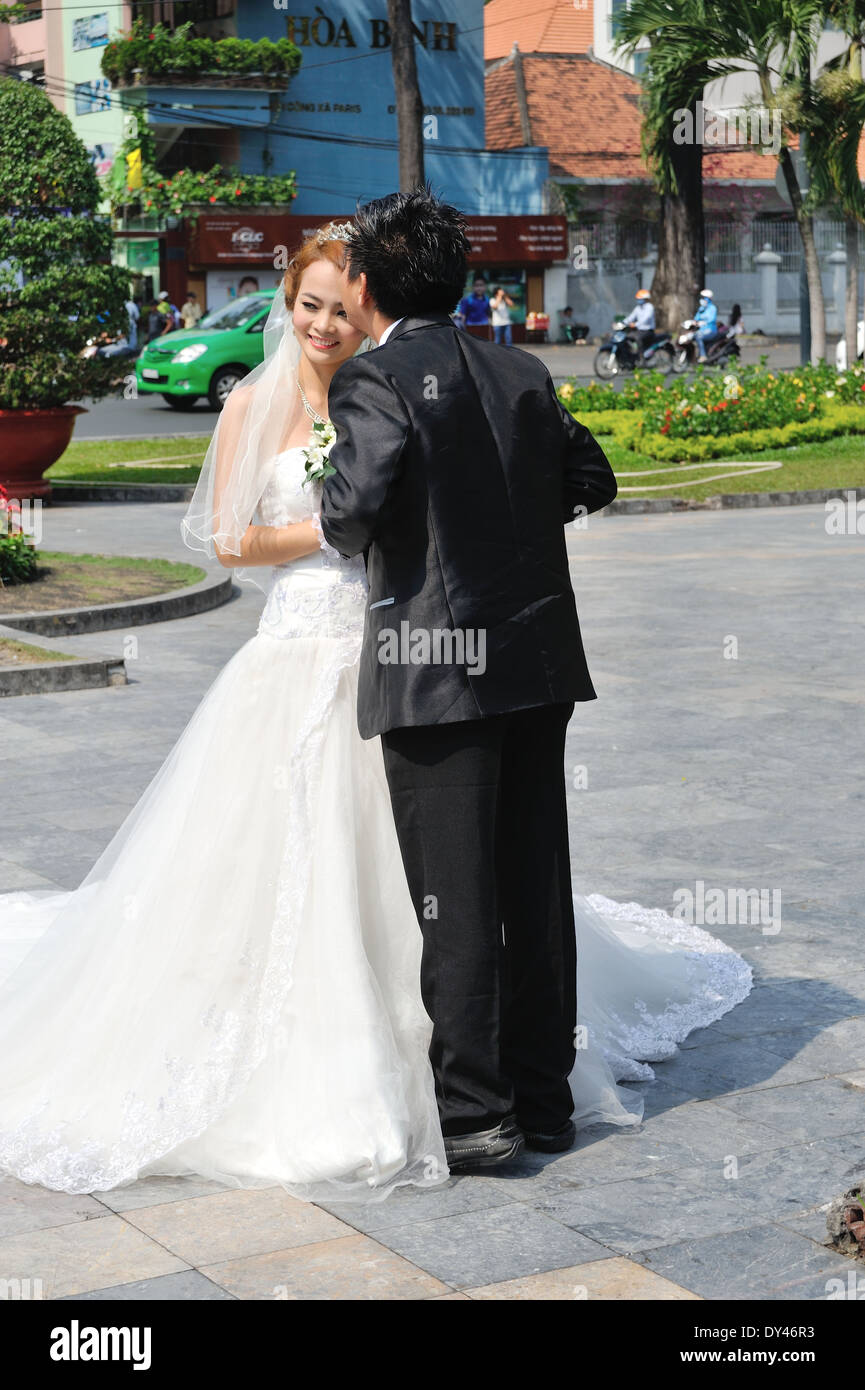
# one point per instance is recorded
(58, 288)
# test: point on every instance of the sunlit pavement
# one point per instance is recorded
(726, 748)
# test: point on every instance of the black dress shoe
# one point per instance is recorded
(552, 1141)
(485, 1147)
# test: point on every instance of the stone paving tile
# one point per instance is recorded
(731, 1065)
(709, 1128)
(155, 1191)
(658, 1097)
(407, 1204)
(486, 1247)
(788, 1003)
(808, 1110)
(763, 1263)
(24, 1207)
(188, 1286)
(353, 1267)
(618, 1279)
(732, 1193)
(834, 1048)
(230, 1225)
(84, 1255)
(811, 1223)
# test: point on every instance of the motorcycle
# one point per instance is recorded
(686, 352)
(621, 353)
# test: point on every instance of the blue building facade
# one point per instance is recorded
(335, 124)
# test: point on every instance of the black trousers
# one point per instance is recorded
(481, 817)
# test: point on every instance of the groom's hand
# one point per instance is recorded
(372, 430)
(589, 482)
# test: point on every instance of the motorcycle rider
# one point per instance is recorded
(642, 320)
(707, 322)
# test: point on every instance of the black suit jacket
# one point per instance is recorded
(456, 470)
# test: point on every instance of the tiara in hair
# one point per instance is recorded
(335, 231)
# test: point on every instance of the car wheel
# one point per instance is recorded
(179, 402)
(222, 383)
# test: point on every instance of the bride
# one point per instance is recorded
(233, 990)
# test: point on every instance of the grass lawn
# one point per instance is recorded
(14, 653)
(830, 463)
(80, 581)
(130, 461)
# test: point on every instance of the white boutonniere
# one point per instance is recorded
(317, 452)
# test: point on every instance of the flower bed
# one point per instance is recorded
(711, 415)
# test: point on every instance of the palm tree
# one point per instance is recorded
(837, 123)
(773, 41)
(673, 81)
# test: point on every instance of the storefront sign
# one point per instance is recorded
(517, 240)
(268, 239)
(321, 30)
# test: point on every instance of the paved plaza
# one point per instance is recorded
(726, 747)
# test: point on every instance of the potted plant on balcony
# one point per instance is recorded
(58, 290)
(154, 55)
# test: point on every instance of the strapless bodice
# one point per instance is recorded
(319, 595)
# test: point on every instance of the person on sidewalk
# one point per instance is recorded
(500, 309)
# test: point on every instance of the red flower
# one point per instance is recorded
(213, 198)
(237, 195)
(665, 429)
(151, 36)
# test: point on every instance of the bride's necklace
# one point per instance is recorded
(313, 414)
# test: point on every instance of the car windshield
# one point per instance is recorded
(236, 313)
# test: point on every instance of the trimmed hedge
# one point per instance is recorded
(628, 429)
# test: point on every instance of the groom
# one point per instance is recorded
(456, 472)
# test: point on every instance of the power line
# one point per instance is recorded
(187, 118)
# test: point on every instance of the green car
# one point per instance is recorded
(208, 360)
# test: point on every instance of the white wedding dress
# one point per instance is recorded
(232, 992)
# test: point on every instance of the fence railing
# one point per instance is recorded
(730, 246)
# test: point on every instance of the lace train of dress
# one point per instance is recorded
(233, 989)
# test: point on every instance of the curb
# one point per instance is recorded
(626, 506)
(121, 492)
(636, 506)
(159, 608)
(85, 673)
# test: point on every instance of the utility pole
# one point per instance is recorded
(409, 106)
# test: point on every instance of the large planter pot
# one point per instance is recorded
(30, 441)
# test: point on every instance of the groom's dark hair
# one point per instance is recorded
(412, 248)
